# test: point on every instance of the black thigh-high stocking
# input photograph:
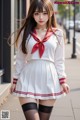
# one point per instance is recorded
(44, 112)
(30, 111)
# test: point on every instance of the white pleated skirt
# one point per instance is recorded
(39, 80)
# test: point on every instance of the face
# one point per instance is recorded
(41, 18)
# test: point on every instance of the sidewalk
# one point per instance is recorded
(66, 108)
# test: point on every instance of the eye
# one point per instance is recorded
(36, 13)
(45, 13)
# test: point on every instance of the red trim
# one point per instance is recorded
(40, 43)
(62, 83)
(38, 94)
(62, 80)
(15, 79)
(14, 82)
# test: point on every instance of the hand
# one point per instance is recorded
(66, 88)
(13, 87)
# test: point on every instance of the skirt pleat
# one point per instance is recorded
(39, 80)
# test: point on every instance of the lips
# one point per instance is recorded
(41, 21)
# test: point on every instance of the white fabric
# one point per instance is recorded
(39, 77)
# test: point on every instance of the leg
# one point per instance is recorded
(45, 109)
(29, 107)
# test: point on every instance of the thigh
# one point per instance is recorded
(24, 100)
(49, 102)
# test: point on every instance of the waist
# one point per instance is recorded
(44, 60)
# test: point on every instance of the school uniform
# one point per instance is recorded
(40, 72)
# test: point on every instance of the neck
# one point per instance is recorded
(41, 27)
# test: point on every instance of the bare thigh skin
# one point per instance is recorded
(49, 102)
(24, 100)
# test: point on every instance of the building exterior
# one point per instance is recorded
(10, 12)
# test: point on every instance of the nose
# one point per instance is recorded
(40, 16)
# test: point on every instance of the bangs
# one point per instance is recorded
(39, 6)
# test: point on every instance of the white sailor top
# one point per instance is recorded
(51, 48)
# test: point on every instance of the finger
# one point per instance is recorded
(10, 90)
(68, 89)
(65, 90)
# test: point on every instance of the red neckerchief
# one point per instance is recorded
(39, 45)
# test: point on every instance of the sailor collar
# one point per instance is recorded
(40, 43)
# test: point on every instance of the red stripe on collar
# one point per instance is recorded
(40, 44)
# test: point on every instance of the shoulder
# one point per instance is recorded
(59, 34)
(58, 31)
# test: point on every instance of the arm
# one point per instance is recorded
(20, 61)
(60, 58)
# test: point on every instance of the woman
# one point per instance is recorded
(39, 77)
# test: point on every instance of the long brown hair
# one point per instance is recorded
(30, 23)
